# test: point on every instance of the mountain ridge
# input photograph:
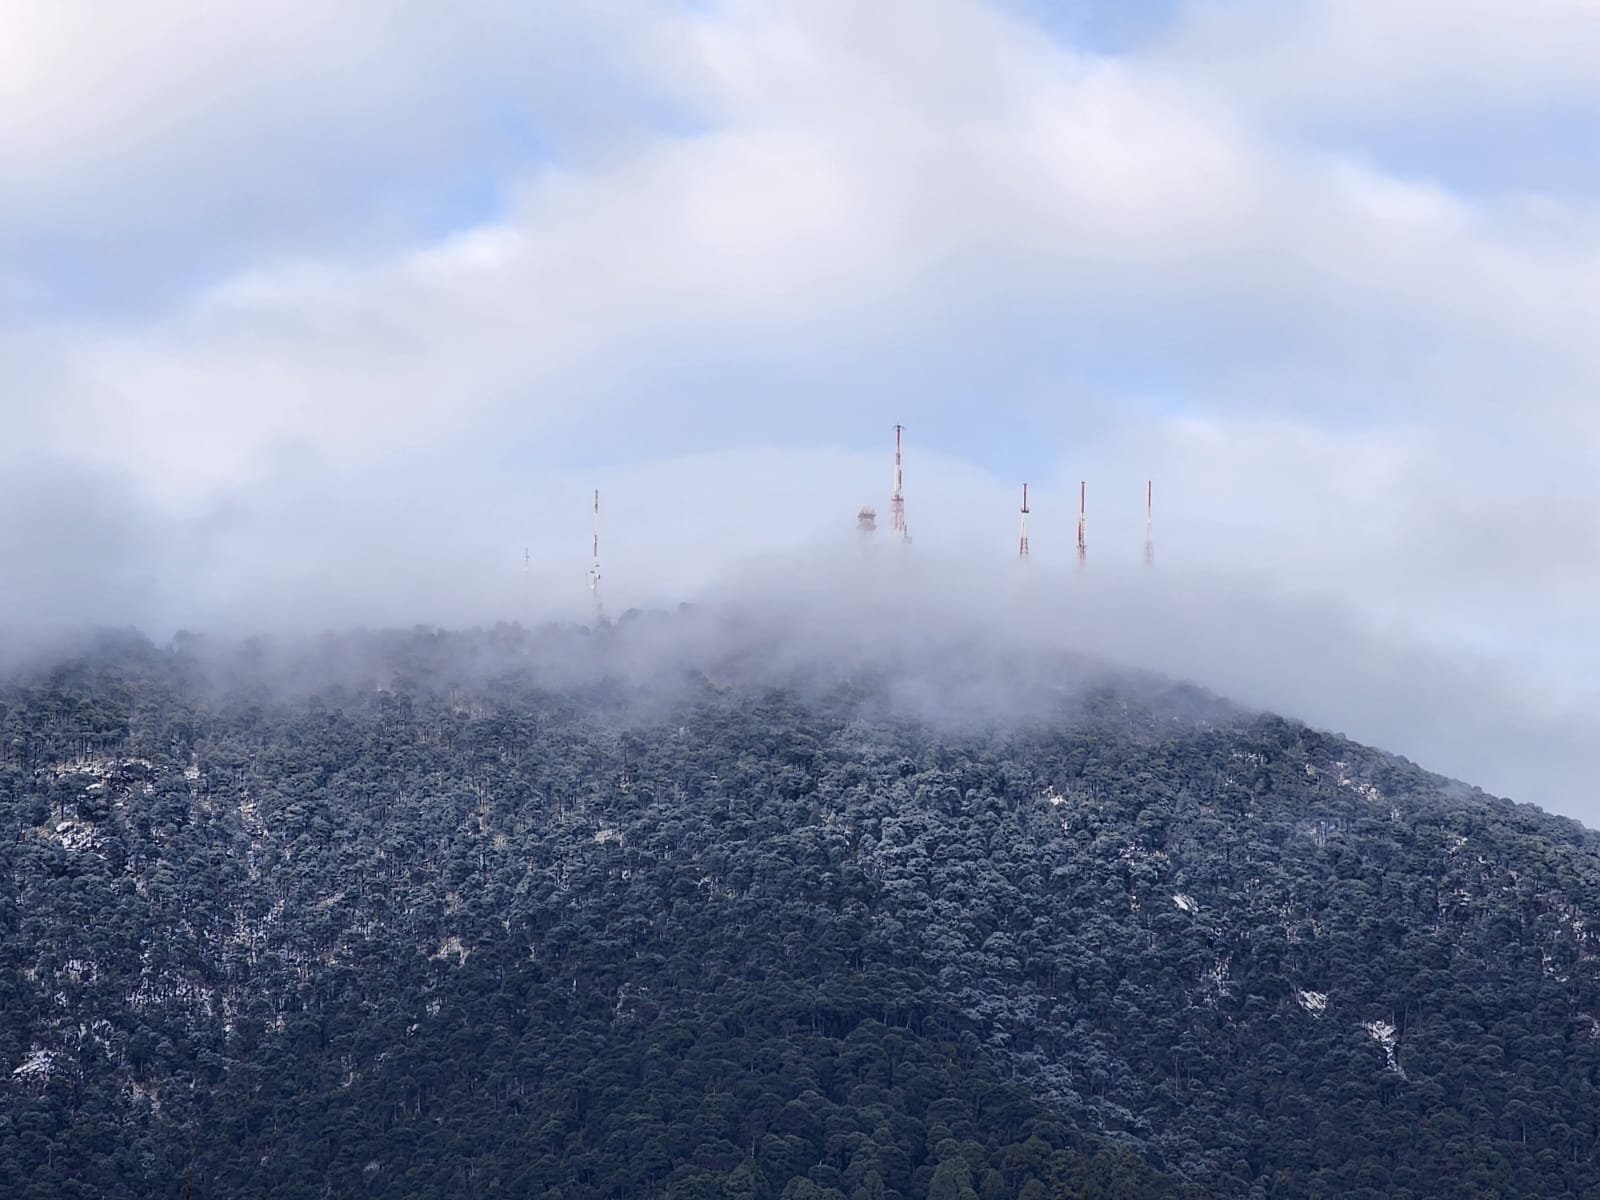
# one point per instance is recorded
(493, 915)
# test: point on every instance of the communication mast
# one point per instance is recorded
(1022, 545)
(1083, 510)
(594, 571)
(897, 503)
(1149, 537)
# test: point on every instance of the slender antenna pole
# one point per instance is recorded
(897, 503)
(1022, 546)
(1083, 518)
(1149, 536)
(594, 571)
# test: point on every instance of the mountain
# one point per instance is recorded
(645, 913)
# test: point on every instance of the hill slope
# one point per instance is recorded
(438, 915)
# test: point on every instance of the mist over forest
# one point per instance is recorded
(956, 640)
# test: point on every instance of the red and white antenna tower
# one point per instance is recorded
(897, 503)
(1149, 536)
(1083, 517)
(594, 571)
(1022, 545)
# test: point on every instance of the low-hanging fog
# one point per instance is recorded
(956, 636)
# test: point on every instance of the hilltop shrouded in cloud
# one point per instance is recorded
(318, 317)
(952, 644)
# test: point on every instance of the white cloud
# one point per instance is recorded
(1377, 391)
(164, 142)
(1393, 61)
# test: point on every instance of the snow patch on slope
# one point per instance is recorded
(39, 1063)
(1388, 1037)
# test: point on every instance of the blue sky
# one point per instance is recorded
(1097, 26)
(351, 303)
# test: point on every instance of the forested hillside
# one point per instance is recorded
(540, 914)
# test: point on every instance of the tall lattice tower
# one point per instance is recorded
(1149, 527)
(1022, 544)
(897, 503)
(594, 571)
(1083, 519)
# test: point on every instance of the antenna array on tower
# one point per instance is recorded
(897, 503)
(1022, 545)
(1083, 518)
(1149, 537)
(866, 523)
(594, 571)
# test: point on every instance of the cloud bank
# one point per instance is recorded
(319, 316)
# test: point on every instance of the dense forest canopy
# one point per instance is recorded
(669, 910)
